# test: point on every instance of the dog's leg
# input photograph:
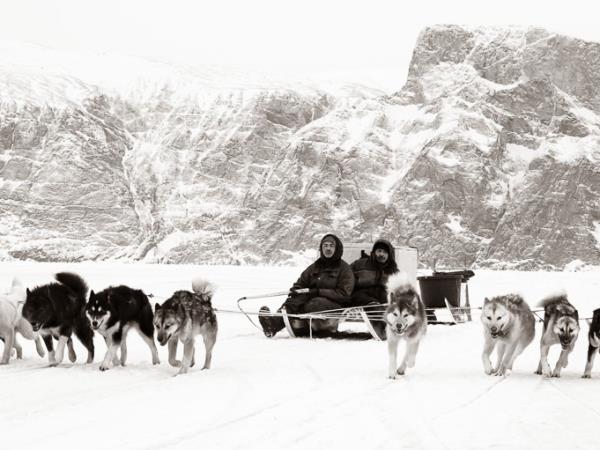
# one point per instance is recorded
(488, 348)
(9, 340)
(50, 348)
(85, 334)
(111, 352)
(411, 353)
(124, 351)
(149, 340)
(392, 342)
(172, 346)
(71, 350)
(188, 352)
(39, 347)
(563, 360)
(518, 349)
(60, 349)
(544, 367)
(592, 351)
(407, 355)
(114, 343)
(122, 345)
(209, 343)
(18, 348)
(506, 363)
(501, 350)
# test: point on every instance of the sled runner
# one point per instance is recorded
(359, 319)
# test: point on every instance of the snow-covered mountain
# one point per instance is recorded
(488, 156)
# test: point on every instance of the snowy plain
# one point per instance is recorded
(299, 393)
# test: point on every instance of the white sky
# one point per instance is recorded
(369, 41)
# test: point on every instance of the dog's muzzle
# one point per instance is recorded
(496, 333)
(398, 329)
(163, 339)
(565, 342)
(95, 324)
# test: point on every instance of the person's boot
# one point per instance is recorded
(265, 321)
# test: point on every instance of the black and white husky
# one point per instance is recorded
(55, 310)
(113, 312)
(593, 343)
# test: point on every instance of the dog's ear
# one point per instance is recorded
(27, 291)
(92, 295)
(486, 301)
(157, 307)
(415, 301)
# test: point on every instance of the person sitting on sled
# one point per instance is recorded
(371, 274)
(324, 285)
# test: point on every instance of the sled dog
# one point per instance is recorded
(182, 317)
(508, 323)
(405, 319)
(593, 343)
(57, 310)
(112, 313)
(12, 322)
(561, 325)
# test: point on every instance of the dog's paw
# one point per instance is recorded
(538, 372)
(3, 362)
(586, 375)
(555, 374)
(175, 362)
(104, 367)
(53, 364)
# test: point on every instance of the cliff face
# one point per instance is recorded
(488, 156)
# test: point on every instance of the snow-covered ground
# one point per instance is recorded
(299, 393)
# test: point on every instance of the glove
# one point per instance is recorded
(298, 291)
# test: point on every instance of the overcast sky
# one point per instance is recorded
(369, 41)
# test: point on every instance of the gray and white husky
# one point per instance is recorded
(405, 319)
(184, 316)
(509, 324)
(561, 325)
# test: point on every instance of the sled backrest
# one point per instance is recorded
(407, 258)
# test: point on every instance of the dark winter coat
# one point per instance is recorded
(330, 278)
(371, 276)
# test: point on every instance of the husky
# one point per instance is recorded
(509, 323)
(183, 316)
(12, 322)
(405, 319)
(593, 343)
(57, 310)
(561, 325)
(112, 313)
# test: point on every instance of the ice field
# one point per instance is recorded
(299, 393)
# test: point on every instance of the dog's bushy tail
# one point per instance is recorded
(559, 297)
(399, 283)
(73, 282)
(202, 287)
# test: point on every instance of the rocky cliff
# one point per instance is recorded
(488, 156)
